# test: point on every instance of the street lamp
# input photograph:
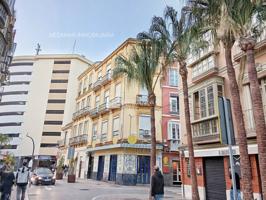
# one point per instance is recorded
(33, 147)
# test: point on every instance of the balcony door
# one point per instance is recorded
(106, 98)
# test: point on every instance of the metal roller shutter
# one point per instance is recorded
(214, 178)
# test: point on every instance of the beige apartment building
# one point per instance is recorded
(207, 81)
(50, 97)
(109, 136)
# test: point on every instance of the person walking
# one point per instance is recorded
(157, 183)
(237, 178)
(65, 170)
(7, 181)
(22, 179)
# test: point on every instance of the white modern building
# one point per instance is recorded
(13, 101)
(42, 89)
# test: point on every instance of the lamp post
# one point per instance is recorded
(33, 147)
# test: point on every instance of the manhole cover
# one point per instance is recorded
(32, 194)
(84, 189)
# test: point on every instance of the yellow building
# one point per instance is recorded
(110, 132)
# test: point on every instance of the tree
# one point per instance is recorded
(215, 16)
(142, 66)
(4, 140)
(175, 37)
(249, 19)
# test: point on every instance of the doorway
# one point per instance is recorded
(176, 172)
(100, 168)
(90, 167)
(112, 168)
(143, 170)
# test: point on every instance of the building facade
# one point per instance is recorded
(207, 82)
(7, 34)
(14, 100)
(170, 127)
(110, 133)
(51, 92)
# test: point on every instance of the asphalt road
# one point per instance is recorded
(95, 190)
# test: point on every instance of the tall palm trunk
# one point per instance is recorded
(194, 183)
(248, 45)
(152, 102)
(245, 167)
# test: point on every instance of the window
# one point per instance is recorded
(86, 127)
(89, 101)
(51, 133)
(203, 66)
(59, 81)
(85, 84)
(118, 90)
(62, 62)
(58, 91)
(173, 131)
(54, 111)
(202, 97)
(263, 94)
(13, 103)
(205, 128)
(144, 125)
(56, 100)
(94, 131)
(210, 96)
(99, 75)
(173, 77)
(174, 104)
(80, 129)
(106, 97)
(108, 69)
(90, 80)
(97, 101)
(83, 103)
(60, 71)
(116, 124)
(11, 113)
(80, 88)
(49, 145)
(75, 132)
(53, 122)
(104, 130)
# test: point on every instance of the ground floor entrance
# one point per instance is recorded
(112, 168)
(214, 178)
(100, 168)
(143, 169)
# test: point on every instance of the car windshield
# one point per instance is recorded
(43, 171)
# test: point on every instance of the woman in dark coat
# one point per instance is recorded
(7, 181)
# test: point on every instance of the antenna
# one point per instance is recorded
(74, 47)
(38, 49)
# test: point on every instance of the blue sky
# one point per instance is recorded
(98, 26)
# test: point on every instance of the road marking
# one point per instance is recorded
(117, 195)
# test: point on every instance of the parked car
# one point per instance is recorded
(43, 176)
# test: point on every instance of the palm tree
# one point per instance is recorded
(215, 16)
(4, 139)
(247, 30)
(142, 66)
(175, 37)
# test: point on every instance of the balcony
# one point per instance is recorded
(94, 112)
(142, 100)
(97, 84)
(145, 133)
(3, 16)
(107, 78)
(78, 140)
(104, 108)
(61, 143)
(206, 131)
(261, 41)
(82, 112)
(115, 103)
